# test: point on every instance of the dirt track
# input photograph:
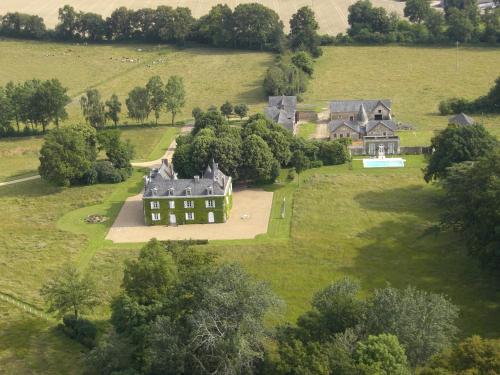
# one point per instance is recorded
(249, 217)
(331, 14)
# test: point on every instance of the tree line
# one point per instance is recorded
(254, 26)
(34, 103)
(248, 26)
(180, 311)
(461, 21)
(489, 103)
(466, 165)
(256, 151)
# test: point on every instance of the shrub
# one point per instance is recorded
(291, 175)
(81, 330)
(106, 173)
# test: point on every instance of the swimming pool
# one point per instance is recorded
(384, 163)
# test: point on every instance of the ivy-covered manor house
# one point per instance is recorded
(203, 199)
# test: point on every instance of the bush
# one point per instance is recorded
(333, 153)
(454, 106)
(291, 175)
(81, 330)
(106, 173)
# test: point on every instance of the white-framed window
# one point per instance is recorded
(188, 191)
(188, 204)
(155, 217)
(210, 203)
(155, 205)
(189, 215)
(171, 204)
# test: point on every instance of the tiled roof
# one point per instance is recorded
(335, 124)
(282, 110)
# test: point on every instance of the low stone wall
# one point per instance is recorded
(415, 150)
(309, 116)
(407, 150)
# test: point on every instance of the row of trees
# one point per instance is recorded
(466, 163)
(69, 156)
(489, 103)
(34, 104)
(249, 26)
(461, 21)
(291, 72)
(154, 98)
(256, 151)
(182, 312)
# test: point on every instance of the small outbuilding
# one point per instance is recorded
(461, 120)
(283, 111)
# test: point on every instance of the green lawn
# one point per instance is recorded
(307, 130)
(211, 76)
(375, 226)
(416, 78)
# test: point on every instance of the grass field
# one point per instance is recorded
(306, 130)
(331, 15)
(211, 76)
(415, 78)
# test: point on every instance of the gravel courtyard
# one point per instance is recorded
(249, 217)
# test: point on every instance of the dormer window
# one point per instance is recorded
(171, 191)
(188, 191)
(210, 190)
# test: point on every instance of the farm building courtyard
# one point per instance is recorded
(249, 217)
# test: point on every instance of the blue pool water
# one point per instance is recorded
(384, 163)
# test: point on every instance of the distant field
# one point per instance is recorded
(211, 76)
(331, 14)
(415, 78)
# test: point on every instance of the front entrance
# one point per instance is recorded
(172, 219)
(211, 218)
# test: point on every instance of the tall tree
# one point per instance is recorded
(175, 96)
(382, 355)
(471, 206)
(156, 93)
(474, 355)
(66, 156)
(93, 108)
(226, 109)
(138, 104)
(424, 323)
(70, 292)
(6, 112)
(304, 32)
(417, 10)
(241, 110)
(68, 23)
(455, 145)
(114, 108)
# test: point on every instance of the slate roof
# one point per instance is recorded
(361, 128)
(335, 124)
(389, 123)
(461, 119)
(160, 182)
(282, 110)
(354, 105)
(283, 101)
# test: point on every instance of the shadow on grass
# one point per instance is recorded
(414, 199)
(32, 189)
(404, 253)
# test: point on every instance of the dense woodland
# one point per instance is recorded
(254, 26)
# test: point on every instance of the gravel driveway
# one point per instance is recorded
(249, 217)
